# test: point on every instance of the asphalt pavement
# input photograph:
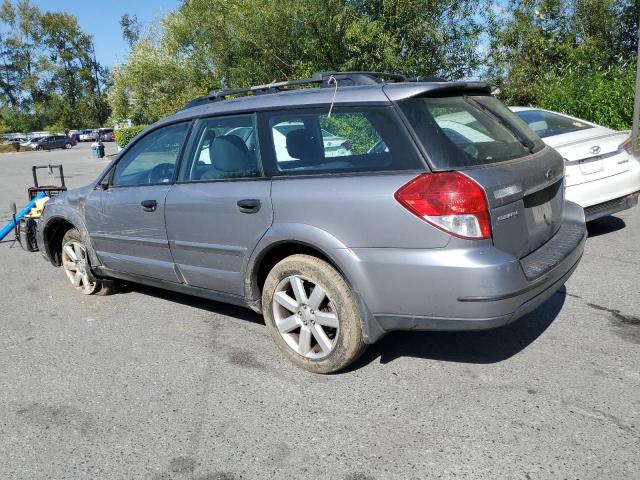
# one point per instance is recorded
(156, 385)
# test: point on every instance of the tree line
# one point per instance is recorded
(575, 56)
(49, 76)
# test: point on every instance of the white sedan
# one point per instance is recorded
(601, 173)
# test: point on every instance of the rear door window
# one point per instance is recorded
(462, 131)
(357, 139)
(222, 148)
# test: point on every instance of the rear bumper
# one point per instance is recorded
(604, 190)
(610, 207)
(389, 323)
(473, 288)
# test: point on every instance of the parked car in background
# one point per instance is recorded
(27, 142)
(601, 173)
(90, 135)
(106, 135)
(52, 141)
(333, 146)
(75, 134)
(446, 227)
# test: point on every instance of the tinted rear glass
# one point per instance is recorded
(547, 124)
(467, 131)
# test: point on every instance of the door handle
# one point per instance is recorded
(149, 205)
(249, 205)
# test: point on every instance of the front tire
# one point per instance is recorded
(75, 262)
(312, 314)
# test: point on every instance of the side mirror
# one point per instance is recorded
(106, 181)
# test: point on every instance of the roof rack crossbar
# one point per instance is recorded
(320, 78)
(267, 87)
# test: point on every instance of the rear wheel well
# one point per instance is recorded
(53, 238)
(282, 251)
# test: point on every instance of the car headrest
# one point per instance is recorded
(209, 136)
(301, 144)
(229, 154)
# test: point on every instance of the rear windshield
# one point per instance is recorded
(547, 124)
(467, 131)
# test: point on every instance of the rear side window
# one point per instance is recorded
(547, 124)
(463, 131)
(350, 140)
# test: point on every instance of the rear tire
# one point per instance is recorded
(318, 330)
(77, 267)
(67, 146)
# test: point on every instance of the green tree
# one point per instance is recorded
(48, 71)
(208, 44)
(130, 29)
(565, 55)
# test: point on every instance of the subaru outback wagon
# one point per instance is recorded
(440, 210)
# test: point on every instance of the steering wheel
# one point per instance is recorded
(162, 173)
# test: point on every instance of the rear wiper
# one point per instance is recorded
(526, 142)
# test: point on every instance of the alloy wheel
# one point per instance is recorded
(305, 317)
(76, 266)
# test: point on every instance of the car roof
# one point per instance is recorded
(377, 94)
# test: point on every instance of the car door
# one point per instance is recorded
(220, 207)
(125, 218)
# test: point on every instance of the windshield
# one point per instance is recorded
(548, 124)
(466, 131)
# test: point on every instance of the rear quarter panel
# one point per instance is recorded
(360, 211)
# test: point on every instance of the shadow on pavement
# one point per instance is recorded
(605, 225)
(212, 306)
(488, 346)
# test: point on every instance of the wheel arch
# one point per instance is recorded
(283, 240)
(52, 234)
(278, 251)
(56, 221)
(312, 241)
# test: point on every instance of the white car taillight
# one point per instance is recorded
(627, 146)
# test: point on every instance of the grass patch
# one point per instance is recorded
(8, 148)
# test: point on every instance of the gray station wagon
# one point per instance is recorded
(436, 209)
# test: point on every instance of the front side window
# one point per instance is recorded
(462, 131)
(365, 139)
(547, 124)
(222, 148)
(152, 159)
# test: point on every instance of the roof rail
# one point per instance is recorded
(322, 79)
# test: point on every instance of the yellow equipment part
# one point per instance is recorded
(36, 211)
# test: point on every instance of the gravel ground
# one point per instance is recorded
(156, 385)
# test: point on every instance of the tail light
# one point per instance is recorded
(450, 201)
(627, 146)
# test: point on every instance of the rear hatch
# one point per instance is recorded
(474, 133)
